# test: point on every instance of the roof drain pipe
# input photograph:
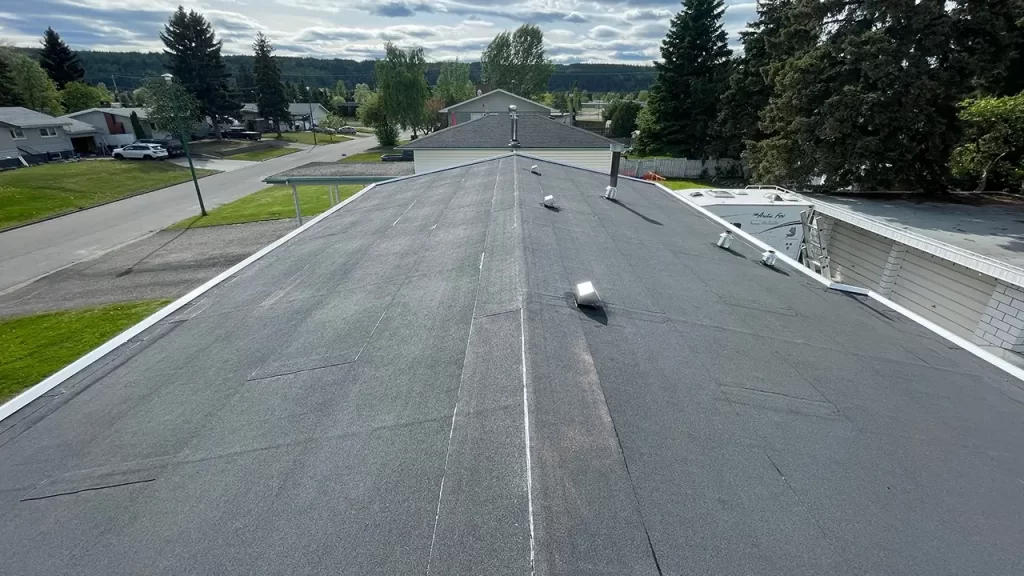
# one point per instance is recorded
(514, 141)
(613, 182)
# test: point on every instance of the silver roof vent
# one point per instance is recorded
(586, 294)
(514, 141)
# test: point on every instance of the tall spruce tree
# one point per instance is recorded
(59, 61)
(193, 55)
(691, 78)
(270, 95)
(990, 35)
(872, 105)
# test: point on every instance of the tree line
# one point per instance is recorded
(870, 94)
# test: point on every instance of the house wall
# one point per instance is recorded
(33, 144)
(595, 159)
(496, 102)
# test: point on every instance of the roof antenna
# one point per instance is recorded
(613, 181)
(514, 142)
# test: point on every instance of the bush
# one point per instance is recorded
(991, 154)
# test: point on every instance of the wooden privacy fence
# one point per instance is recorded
(684, 168)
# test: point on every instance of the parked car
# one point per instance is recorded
(346, 130)
(400, 156)
(173, 147)
(140, 151)
(241, 134)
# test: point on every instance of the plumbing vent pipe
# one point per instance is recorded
(549, 201)
(768, 258)
(613, 175)
(725, 239)
(514, 141)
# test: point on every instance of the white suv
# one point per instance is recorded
(143, 151)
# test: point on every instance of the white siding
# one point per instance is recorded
(595, 159)
(950, 295)
(857, 256)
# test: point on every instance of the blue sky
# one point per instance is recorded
(575, 31)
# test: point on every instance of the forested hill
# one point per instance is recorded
(129, 69)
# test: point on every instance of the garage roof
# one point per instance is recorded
(404, 385)
(494, 131)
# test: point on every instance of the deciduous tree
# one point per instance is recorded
(31, 86)
(516, 61)
(402, 85)
(991, 155)
(453, 84)
(80, 96)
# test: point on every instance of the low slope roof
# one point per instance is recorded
(25, 118)
(454, 107)
(494, 131)
(406, 384)
(125, 112)
(77, 127)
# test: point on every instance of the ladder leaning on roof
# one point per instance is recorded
(814, 249)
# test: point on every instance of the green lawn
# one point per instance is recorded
(28, 194)
(686, 184)
(307, 138)
(217, 147)
(272, 203)
(34, 347)
(265, 154)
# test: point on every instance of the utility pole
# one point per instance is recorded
(310, 103)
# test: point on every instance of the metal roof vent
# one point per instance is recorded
(514, 141)
(610, 192)
(769, 258)
(586, 294)
(535, 169)
(725, 239)
(549, 201)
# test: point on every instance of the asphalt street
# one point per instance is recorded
(30, 252)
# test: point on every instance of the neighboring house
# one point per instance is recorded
(300, 112)
(490, 135)
(497, 102)
(114, 126)
(83, 136)
(28, 137)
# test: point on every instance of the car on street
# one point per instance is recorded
(400, 156)
(346, 130)
(173, 146)
(140, 151)
(241, 134)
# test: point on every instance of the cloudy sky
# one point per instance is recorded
(576, 31)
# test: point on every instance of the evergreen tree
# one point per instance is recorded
(691, 78)
(60, 62)
(291, 93)
(194, 58)
(245, 82)
(872, 105)
(302, 91)
(270, 94)
(137, 127)
(340, 91)
(9, 95)
(990, 35)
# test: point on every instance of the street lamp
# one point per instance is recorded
(309, 101)
(169, 79)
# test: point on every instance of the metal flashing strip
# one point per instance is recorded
(985, 355)
(956, 255)
(28, 396)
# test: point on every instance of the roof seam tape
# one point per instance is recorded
(28, 396)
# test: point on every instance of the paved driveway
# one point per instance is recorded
(30, 252)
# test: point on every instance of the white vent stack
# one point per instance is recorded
(549, 201)
(725, 239)
(514, 141)
(586, 294)
(768, 258)
(613, 176)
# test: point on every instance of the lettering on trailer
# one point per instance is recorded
(769, 216)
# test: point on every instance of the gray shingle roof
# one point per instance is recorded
(25, 118)
(456, 107)
(74, 127)
(494, 130)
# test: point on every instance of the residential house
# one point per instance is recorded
(27, 137)
(299, 111)
(490, 135)
(83, 136)
(114, 126)
(497, 102)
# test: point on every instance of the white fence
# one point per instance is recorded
(684, 168)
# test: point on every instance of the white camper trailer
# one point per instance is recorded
(773, 216)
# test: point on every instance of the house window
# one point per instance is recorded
(48, 132)
(17, 134)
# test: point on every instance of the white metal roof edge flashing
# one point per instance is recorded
(956, 255)
(28, 396)
(951, 337)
